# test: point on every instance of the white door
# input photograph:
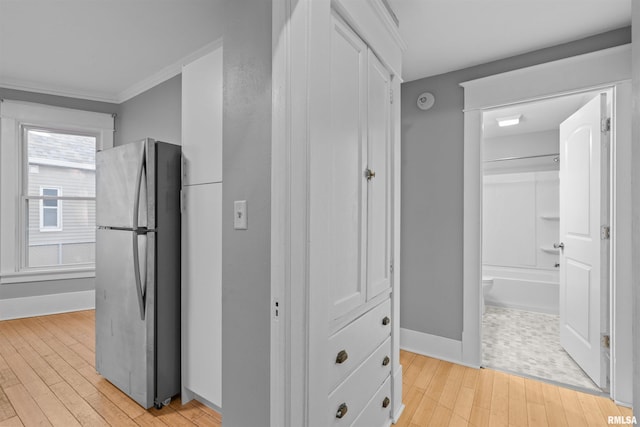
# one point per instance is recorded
(343, 196)
(202, 291)
(378, 186)
(583, 253)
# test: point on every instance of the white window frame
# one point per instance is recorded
(15, 116)
(58, 227)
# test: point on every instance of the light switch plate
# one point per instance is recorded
(240, 215)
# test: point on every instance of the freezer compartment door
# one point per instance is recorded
(121, 185)
(124, 341)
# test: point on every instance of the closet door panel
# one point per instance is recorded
(202, 291)
(202, 119)
(344, 157)
(378, 187)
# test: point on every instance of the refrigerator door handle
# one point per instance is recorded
(136, 232)
(136, 201)
(136, 273)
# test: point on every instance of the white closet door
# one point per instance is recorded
(378, 186)
(202, 119)
(202, 291)
(344, 156)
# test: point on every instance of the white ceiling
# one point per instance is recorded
(447, 35)
(100, 49)
(111, 50)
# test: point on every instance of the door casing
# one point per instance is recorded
(608, 68)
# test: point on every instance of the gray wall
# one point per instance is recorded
(246, 288)
(47, 287)
(156, 113)
(17, 290)
(635, 184)
(432, 192)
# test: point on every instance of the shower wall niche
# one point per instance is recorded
(521, 221)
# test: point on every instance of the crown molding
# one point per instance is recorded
(29, 86)
(113, 98)
(167, 72)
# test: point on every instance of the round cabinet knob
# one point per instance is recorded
(369, 174)
(386, 402)
(386, 320)
(385, 361)
(341, 357)
(342, 410)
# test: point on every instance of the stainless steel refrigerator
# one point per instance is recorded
(138, 269)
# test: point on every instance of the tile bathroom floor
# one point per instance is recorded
(528, 343)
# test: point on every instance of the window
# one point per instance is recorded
(56, 159)
(50, 218)
(47, 183)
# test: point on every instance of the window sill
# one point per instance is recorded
(47, 275)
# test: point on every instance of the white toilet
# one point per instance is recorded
(487, 283)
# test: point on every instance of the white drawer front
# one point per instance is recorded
(358, 340)
(356, 391)
(378, 410)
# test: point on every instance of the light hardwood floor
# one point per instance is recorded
(47, 377)
(438, 393)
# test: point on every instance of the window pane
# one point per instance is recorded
(50, 218)
(60, 160)
(73, 244)
(50, 203)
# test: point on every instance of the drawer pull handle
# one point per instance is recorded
(342, 410)
(385, 361)
(386, 320)
(385, 402)
(341, 357)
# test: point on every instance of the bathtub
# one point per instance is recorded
(523, 289)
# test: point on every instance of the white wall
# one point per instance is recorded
(524, 144)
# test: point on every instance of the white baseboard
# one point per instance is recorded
(398, 406)
(431, 345)
(188, 395)
(625, 404)
(16, 308)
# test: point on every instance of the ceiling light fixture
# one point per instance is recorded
(509, 121)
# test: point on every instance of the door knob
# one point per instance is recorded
(369, 174)
(386, 321)
(559, 245)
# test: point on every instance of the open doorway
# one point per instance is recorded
(544, 309)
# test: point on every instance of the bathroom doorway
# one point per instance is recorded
(524, 268)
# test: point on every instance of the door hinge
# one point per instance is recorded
(605, 232)
(605, 125)
(391, 95)
(391, 268)
(606, 341)
(184, 169)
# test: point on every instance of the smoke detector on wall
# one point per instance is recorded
(426, 100)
